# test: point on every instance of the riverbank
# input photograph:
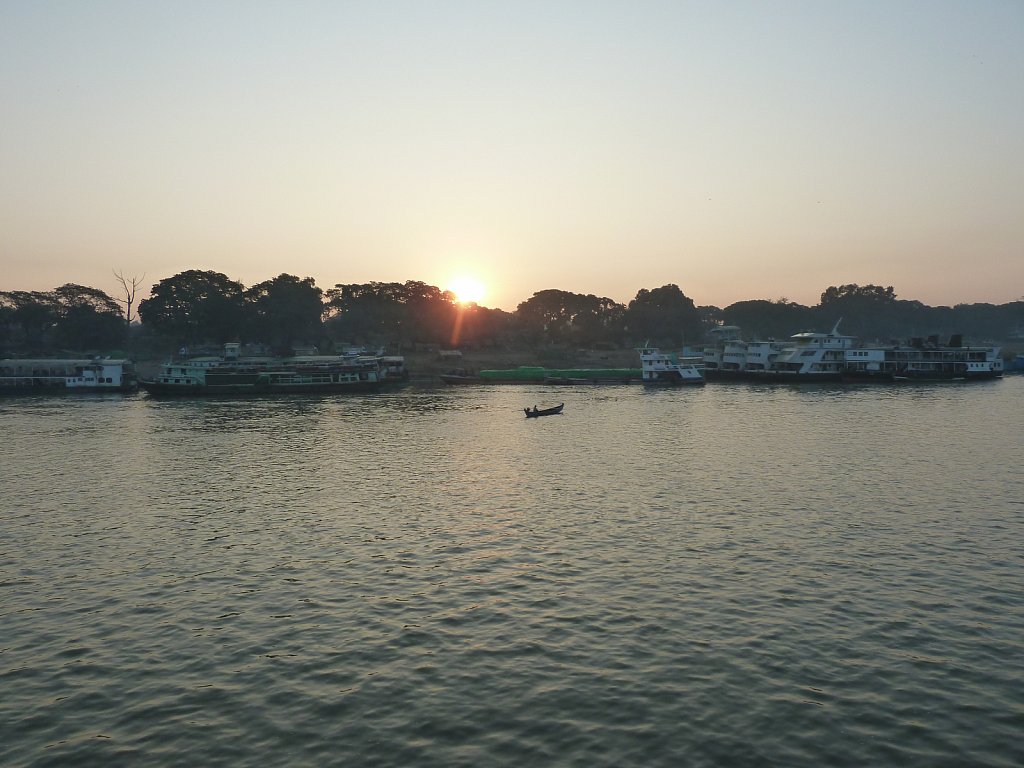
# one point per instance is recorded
(427, 367)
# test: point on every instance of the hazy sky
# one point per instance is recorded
(741, 150)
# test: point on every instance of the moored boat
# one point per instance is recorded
(460, 376)
(924, 360)
(393, 370)
(833, 357)
(51, 376)
(730, 357)
(660, 368)
(806, 357)
(809, 356)
(261, 375)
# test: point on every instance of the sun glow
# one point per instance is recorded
(467, 290)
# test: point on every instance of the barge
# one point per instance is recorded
(53, 376)
(835, 357)
(234, 375)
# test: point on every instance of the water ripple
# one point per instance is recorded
(726, 576)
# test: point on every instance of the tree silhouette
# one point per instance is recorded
(555, 316)
(195, 306)
(34, 314)
(87, 318)
(198, 306)
(663, 315)
(762, 319)
(129, 285)
(286, 310)
(401, 313)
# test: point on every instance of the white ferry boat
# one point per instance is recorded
(811, 356)
(723, 338)
(48, 376)
(660, 368)
(924, 360)
(730, 357)
(807, 356)
(761, 356)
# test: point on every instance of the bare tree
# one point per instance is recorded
(129, 286)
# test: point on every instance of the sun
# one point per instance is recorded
(467, 290)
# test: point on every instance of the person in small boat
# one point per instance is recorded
(535, 409)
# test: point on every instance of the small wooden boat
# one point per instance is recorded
(532, 413)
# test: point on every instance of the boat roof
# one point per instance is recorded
(818, 335)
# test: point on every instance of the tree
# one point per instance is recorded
(763, 319)
(195, 306)
(867, 294)
(129, 286)
(87, 318)
(555, 316)
(867, 311)
(543, 316)
(481, 326)
(7, 310)
(285, 310)
(981, 321)
(74, 317)
(710, 316)
(598, 320)
(403, 313)
(363, 311)
(32, 315)
(71, 295)
(430, 313)
(663, 315)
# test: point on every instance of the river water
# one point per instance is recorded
(721, 576)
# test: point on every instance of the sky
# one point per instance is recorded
(741, 150)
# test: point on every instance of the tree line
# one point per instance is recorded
(195, 308)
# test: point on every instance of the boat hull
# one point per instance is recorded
(774, 377)
(14, 390)
(669, 380)
(921, 376)
(458, 379)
